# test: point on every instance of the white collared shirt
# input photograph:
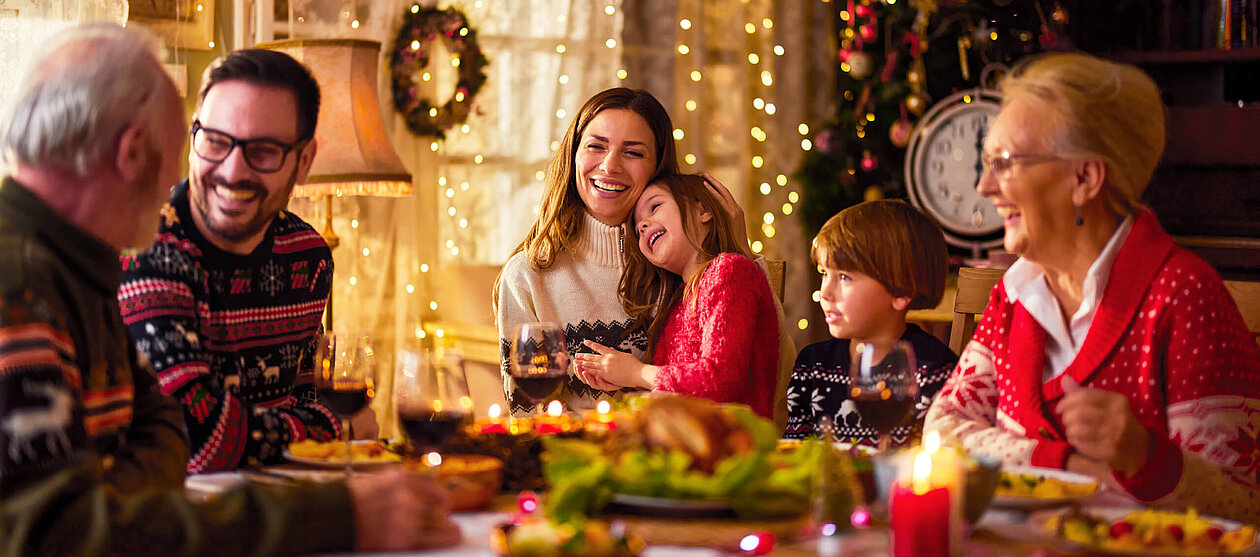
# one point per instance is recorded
(1026, 283)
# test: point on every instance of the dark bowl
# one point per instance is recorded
(981, 483)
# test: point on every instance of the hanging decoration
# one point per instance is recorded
(421, 28)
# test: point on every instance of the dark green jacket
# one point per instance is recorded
(92, 455)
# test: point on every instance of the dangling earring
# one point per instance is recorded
(1080, 220)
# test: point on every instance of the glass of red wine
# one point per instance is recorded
(539, 360)
(884, 386)
(431, 392)
(345, 379)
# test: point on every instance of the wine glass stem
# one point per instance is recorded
(345, 433)
(885, 439)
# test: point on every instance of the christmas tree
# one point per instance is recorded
(896, 58)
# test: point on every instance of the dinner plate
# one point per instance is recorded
(1028, 502)
(668, 507)
(340, 463)
(1113, 514)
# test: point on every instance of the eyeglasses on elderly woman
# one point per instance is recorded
(1001, 164)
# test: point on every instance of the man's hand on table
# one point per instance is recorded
(398, 511)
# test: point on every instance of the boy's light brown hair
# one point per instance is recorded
(891, 242)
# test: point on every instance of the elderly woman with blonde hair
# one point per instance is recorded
(1106, 349)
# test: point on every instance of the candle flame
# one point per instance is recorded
(922, 473)
(466, 403)
(603, 407)
(495, 411)
(932, 441)
(433, 459)
(554, 409)
(437, 406)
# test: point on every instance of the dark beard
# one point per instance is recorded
(255, 226)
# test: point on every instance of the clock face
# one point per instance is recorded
(944, 167)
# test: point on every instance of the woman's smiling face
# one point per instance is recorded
(615, 159)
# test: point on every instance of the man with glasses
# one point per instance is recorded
(227, 303)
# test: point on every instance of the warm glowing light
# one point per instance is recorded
(967, 99)
(817, 295)
(433, 459)
(539, 175)
(560, 49)
(678, 134)
(685, 23)
(211, 44)
(932, 441)
(690, 158)
(750, 28)
(611, 43)
(433, 306)
(478, 159)
(695, 75)
(844, 15)
(803, 128)
(768, 218)
(432, 112)
(794, 197)
(560, 113)
(450, 211)
(781, 180)
(200, 7)
(564, 79)
(802, 324)
(495, 411)
(366, 252)
(603, 407)
(621, 74)
(454, 62)
(465, 128)
(806, 145)
(770, 109)
(463, 31)
(691, 105)
(992, 35)
(450, 192)
(463, 223)
(455, 251)
(555, 409)
(758, 103)
(439, 332)
(766, 79)
(765, 22)
(555, 145)
(682, 49)
(426, 76)
(424, 267)
(922, 473)
(753, 58)
(354, 223)
(610, 10)
(757, 161)
(768, 230)
(756, 246)
(778, 50)
(433, 146)
(354, 24)
(353, 281)
(411, 289)
(787, 208)
(765, 188)
(415, 8)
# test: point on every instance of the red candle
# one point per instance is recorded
(920, 522)
(494, 424)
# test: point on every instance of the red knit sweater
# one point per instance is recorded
(722, 340)
(1169, 337)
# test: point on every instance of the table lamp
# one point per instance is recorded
(355, 155)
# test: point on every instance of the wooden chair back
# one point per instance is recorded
(974, 285)
(776, 271)
(1247, 295)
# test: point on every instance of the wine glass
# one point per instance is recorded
(539, 361)
(431, 392)
(346, 378)
(884, 386)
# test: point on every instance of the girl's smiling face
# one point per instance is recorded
(663, 239)
(616, 156)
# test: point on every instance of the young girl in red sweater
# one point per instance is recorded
(708, 309)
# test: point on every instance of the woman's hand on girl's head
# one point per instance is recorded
(613, 368)
(731, 207)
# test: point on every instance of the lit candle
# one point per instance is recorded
(552, 422)
(922, 510)
(495, 422)
(601, 421)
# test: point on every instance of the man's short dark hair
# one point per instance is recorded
(270, 68)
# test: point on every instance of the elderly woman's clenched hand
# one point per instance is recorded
(1100, 425)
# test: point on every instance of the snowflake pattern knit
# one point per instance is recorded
(1169, 337)
(232, 336)
(820, 387)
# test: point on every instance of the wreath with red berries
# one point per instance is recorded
(421, 28)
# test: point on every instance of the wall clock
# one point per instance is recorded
(943, 167)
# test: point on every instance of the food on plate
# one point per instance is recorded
(540, 537)
(370, 451)
(470, 480)
(1042, 487)
(1152, 531)
(676, 447)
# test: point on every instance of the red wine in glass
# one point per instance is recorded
(539, 387)
(883, 414)
(885, 385)
(345, 402)
(539, 360)
(430, 430)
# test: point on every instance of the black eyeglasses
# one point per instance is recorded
(262, 155)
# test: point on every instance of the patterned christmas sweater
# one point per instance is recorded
(578, 292)
(721, 341)
(820, 387)
(232, 336)
(1169, 337)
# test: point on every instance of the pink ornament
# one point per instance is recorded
(899, 133)
(527, 502)
(869, 162)
(867, 32)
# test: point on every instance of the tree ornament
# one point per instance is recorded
(899, 133)
(916, 104)
(1059, 15)
(914, 77)
(860, 65)
(411, 57)
(869, 161)
(867, 32)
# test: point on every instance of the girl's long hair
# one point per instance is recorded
(648, 293)
(560, 214)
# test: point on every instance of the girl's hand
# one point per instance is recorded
(733, 209)
(1100, 425)
(613, 367)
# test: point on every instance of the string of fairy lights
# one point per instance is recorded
(760, 53)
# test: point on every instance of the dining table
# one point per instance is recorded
(998, 532)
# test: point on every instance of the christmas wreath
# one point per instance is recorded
(422, 26)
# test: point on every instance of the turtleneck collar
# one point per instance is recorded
(599, 243)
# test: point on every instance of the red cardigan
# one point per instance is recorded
(1169, 337)
(722, 340)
